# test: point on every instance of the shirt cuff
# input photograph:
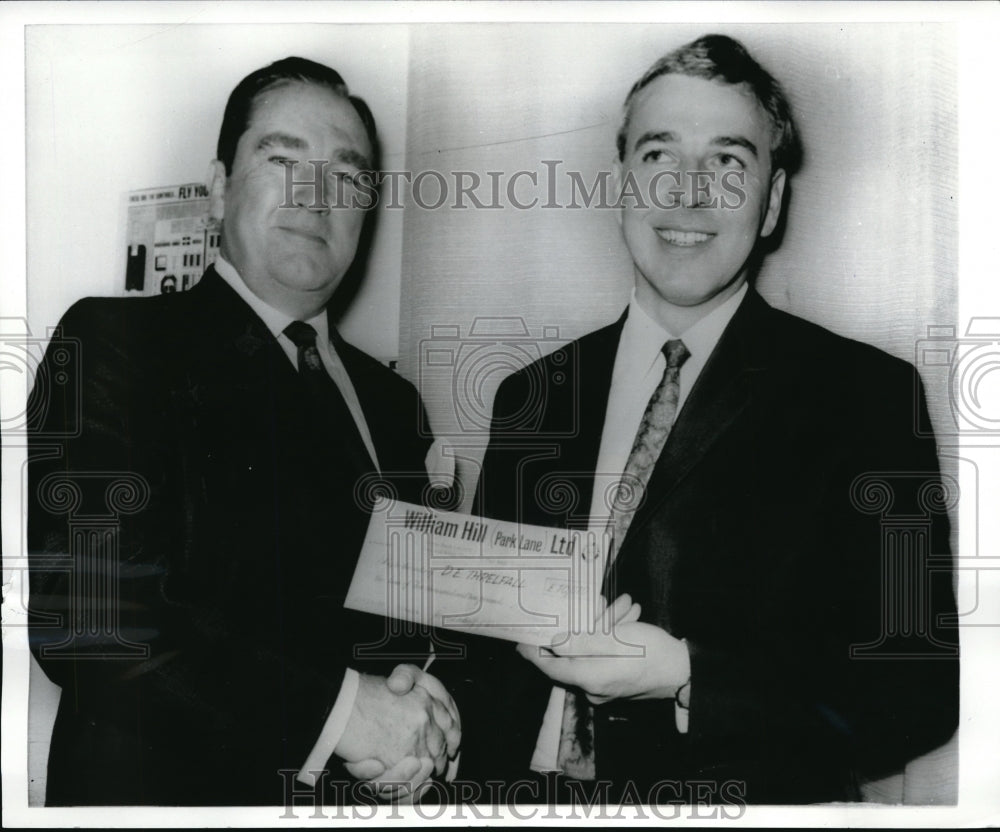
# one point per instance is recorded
(440, 464)
(333, 729)
(681, 717)
(546, 754)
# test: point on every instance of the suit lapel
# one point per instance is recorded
(241, 370)
(238, 355)
(350, 433)
(716, 402)
(595, 365)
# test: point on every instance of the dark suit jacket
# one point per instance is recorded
(193, 528)
(793, 515)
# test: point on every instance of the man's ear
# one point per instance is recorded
(216, 189)
(774, 203)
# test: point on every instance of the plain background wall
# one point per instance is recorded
(869, 250)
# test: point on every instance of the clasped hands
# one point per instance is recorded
(403, 728)
(615, 657)
(406, 727)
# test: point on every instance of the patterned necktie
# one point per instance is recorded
(576, 743)
(327, 396)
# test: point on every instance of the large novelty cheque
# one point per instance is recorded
(476, 575)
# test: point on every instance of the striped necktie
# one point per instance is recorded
(576, 742)
(327, 397)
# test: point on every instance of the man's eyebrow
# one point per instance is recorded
(736, 141)
(353, 158)
(724, 141)
(657, 136)
(346, 155)
(281, 139)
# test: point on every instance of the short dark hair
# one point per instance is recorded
(718, 57)
(239, 108)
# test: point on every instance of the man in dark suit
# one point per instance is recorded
(777, 639)
(194, 526)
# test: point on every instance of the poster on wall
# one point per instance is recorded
(171, 240)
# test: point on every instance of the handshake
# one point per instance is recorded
(402, 729)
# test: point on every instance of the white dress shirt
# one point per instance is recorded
(276, 321)
(639, 366)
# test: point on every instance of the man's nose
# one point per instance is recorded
(698, 189)
(312, 197)
(309, 189)
(687, 188)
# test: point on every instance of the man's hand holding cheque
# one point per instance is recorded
(620, 657)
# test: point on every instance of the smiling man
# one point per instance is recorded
(725, 447)
(691, 253)
(204, 653)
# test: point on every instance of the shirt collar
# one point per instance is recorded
(645, 336)
(274, 319)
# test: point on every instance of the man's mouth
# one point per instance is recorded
(305, 235)
(683, 238)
